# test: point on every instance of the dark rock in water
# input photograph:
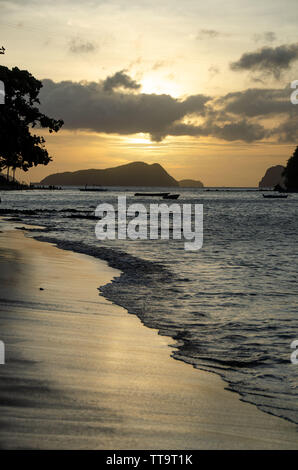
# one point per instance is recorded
(190, 184)
(273, 176)
(41, 288)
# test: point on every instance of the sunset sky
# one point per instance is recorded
(201, 87)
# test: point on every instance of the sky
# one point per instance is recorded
(203, 88)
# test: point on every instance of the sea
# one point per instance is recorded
(230, 307)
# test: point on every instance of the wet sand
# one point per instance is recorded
(81, 373)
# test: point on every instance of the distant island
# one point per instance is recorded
(131, 174)
(273, 176)
(190, 184)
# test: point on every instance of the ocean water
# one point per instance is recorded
(232, 306)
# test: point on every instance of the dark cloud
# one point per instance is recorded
(267, 36)
(257, 102)
(268, 60)
(210, 34)
(287, 131)
(92, 106)
(78, 46)
(120, 80)
(96, 107)
(230, 131)
(213, 70)
(240, 116)
(240, 130)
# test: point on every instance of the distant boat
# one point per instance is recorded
(171, 196)
(275, 196)
(93, 189)
(152, 194)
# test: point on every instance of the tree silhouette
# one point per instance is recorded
(291, 172)
(19, 146)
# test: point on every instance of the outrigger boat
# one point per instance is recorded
(92, 189)
(275, 196)
(171, 196)
(152, 194)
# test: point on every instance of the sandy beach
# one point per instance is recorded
(81, 373)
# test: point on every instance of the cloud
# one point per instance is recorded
(268, 60)
(241, 116)
(105, 107)
(161, 63)
(210, 34)
(241, 130)
(213, 71)
(255, 105)
(257, 102)
(101, 107)
(207, 33)
(287, 131)
(120, 80)
(231, 131)
(267, 36)
(78, 46)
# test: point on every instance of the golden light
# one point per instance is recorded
(139, 140)
(160, 85)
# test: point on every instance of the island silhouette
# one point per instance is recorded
(131, 174)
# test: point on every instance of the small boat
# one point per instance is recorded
(152, 194)
(275, 196)
(171, 196)
(93, 189)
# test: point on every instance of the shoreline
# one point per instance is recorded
(107, 393)
(111, 290)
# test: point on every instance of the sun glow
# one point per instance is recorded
(160, 86)
(139, 140)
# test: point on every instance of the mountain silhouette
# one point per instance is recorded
(131, 174)
(272, 177)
